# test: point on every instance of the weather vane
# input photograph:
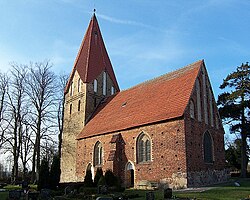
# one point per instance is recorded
(94, 10)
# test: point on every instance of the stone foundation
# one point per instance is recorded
(177, 181)
(202, 178)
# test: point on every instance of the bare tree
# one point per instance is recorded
(62, 81)
(3, 95)
(41, 91)
(17, 111)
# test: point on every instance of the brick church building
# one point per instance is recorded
(166, 130)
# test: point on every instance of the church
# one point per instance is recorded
(165, 131)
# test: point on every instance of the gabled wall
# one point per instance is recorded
(198, 171)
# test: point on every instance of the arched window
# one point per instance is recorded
(98, 154)
(198, 99)
(95, 85)
(71, 89)
(191, 109)
(104, 85)
(79, 105)
(208, 147)
(143, 148)
(79, 85)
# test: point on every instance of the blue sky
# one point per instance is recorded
(144, 38)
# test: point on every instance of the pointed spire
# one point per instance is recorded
(92, 56)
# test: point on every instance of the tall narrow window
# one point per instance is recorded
(191, 109)
(79, 85)
(208, 147)
(104, 84)
(95, 85)
(112, 90)
(79, 105)
(148, 150)
(70, 109)
(143, 148)
(71, 89)
(205, 96)
(198, 99)
(98, 154)
(211, 113)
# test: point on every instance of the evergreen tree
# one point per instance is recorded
(43, 181)
(98, 175)
(233, 154)
(110, 178)
(55, 172)
(88, 181)
(234, 106)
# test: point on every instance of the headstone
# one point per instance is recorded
(167, 193)
(150, 196)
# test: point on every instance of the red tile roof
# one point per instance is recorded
(92, 57)
(163, 98)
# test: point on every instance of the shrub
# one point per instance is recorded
(111, 179)
(102, 181)
(98, 175)
(87, 190)
(88, 182)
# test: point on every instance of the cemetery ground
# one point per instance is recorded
(225, 191)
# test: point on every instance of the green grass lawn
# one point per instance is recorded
(218, 192)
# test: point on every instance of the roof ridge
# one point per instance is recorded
(182, 70)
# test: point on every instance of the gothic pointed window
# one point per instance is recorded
(104, 84)
(98, 154)
(208, 147)
(143, 148)
(95, 85)
(191, 109)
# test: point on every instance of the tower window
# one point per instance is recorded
(112, 90)
(95, 85)
(104, 85)
(191, 109)
(79, 105)
(143, 147)
(71, 89)
(79, 85)
(70, 109)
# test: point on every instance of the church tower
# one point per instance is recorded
(91, 81)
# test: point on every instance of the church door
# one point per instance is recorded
(130, 175)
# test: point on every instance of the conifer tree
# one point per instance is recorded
(88, 181)
(234, 106)
(98, 175)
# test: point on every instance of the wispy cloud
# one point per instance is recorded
(120, 21)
